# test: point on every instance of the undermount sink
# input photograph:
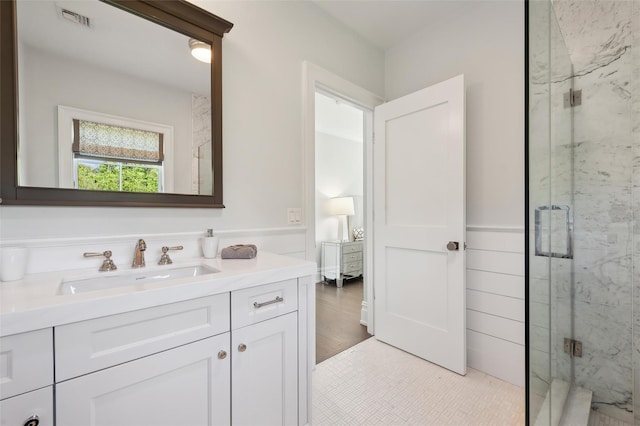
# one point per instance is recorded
(84, 285)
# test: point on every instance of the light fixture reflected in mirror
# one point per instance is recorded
(200, 50)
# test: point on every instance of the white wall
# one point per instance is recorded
(50, 81)
(262, 119)
(485, 42)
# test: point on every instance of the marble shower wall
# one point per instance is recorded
(600, 37)
(201, 175)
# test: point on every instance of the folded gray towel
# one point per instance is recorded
(239, 251)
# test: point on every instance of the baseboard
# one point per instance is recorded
(364, 313)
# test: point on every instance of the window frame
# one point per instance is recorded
(66, 166)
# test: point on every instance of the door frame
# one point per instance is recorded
(315, 77)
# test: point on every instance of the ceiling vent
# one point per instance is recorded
(74, 17)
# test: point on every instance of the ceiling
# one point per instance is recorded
(385, 23)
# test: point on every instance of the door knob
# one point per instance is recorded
(222, 354)
(453, 246)
(242, 347)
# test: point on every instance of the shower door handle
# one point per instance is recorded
(568, 253)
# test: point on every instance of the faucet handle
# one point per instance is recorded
(165, 259)
(108, 264)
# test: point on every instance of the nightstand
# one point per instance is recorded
(341, 259)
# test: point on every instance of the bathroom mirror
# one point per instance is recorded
(104, 104)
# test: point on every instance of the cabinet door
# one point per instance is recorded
(188, 385)
(17, 410)
(26, 362)
(264, 368)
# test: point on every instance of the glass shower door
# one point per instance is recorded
(550, 200)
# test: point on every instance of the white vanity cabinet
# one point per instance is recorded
(232, 349)
(26, 378)
(264, 361)
(188, 385)
(235, 358)
(157, 366)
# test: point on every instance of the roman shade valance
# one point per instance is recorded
(100, 140)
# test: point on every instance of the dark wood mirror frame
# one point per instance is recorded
(177, 15)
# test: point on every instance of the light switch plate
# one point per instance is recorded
(294, 216)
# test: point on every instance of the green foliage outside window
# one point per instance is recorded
(106, 177)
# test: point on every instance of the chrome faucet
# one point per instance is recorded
(138, 254)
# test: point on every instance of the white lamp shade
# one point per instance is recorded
(341, 206)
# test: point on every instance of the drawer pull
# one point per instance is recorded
(32, 421)
(278, 299)
(222, 354)
(242, 347)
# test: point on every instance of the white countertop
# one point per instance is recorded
(33, 303)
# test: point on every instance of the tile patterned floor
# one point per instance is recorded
(375, 384)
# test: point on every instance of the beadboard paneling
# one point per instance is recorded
(506, 329)
(496, 283)
(497, 357)
(496, 261)
(505, 240)
(495, 303)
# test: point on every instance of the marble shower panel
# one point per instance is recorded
(599, 36)
(588, 157)
(201, 176)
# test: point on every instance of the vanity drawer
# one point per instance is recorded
(255, 304)
(15, 411)
(95, 344)
(26, 362)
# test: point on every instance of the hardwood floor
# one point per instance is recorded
(338, 318)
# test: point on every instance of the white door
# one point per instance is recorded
(264, 371)
(419, 207)
(188, 385)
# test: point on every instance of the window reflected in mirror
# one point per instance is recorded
(116, 158)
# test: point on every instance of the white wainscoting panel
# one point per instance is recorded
(495, 303)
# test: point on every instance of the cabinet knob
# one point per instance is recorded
(242, 347)
(32, 421)
(222, 355)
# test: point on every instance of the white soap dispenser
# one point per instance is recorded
(210, 245)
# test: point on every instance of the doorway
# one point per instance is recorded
(318, 79)
(339, 224)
